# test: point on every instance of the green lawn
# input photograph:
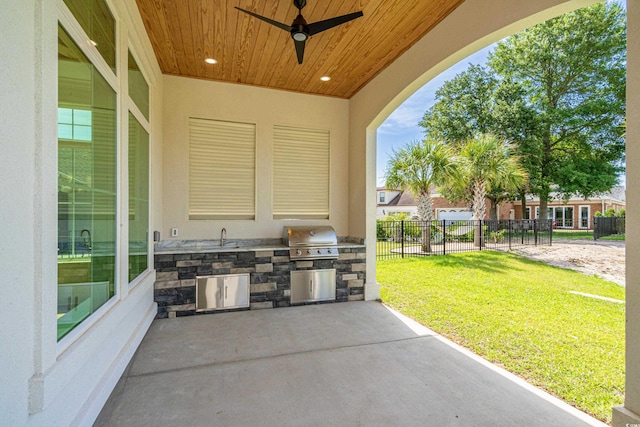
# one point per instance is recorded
(613, 237)
(582, 235)
(519, 314)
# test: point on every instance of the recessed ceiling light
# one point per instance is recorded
(210, 61)
(325, 78)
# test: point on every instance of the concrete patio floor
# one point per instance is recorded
(347, 364)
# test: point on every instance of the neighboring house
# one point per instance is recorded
(391, 202)
(576, 213)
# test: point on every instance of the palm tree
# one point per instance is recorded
(417, 167)
(487, 162)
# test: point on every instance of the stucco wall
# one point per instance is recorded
(632, 399)
(18, 178)
(630, 413)
(185, 97)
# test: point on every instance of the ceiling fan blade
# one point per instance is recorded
(320, 26)
(300, 49)
(270, 21)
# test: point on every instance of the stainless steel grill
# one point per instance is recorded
(314, 242)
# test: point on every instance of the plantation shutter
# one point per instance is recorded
(222, 158)
(301, 173)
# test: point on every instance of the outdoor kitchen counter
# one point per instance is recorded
(178, 264)
(210, 246)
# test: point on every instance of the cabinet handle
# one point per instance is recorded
(311, 286)
(225, 291)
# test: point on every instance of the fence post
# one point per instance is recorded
(444, 237)
(402, 237)
(481, 236)
(535, 232)
(509, 232)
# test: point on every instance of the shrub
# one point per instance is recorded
(382, 232)
(497, 236)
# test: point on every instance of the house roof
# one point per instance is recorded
(250, 51)
(617, 193)
(403, 199)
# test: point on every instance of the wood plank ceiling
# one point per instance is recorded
(250, 51)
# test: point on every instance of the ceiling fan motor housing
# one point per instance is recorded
(299, 29)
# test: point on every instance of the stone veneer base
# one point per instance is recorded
(270, 277)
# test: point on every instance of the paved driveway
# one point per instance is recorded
(343, 364)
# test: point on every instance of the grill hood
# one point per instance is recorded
(311, 242)
(303, 236)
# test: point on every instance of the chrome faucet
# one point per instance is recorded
(223, 236)
(85, 235)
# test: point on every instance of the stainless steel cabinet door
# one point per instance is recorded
(313, 285)
(235, 289)
(220, 292)
(208, 296)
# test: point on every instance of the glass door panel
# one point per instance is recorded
(584, 217)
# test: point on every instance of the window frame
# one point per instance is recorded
(580, 219)
(141, 275)
(71, 26)
(132, 105)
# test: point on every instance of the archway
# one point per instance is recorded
(472, 26)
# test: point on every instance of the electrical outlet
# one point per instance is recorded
(174, 232)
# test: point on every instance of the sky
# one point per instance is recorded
(401, 127)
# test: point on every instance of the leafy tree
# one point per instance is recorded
(556, 91)
(398, 216)
(417, 167)
(572, 71)
(486, 162)
(463, 107)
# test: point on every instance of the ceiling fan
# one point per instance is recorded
(300, 30)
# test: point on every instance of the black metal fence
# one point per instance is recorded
(608, 226)
(399, 239)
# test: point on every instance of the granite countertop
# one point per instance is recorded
(245, 245)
